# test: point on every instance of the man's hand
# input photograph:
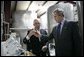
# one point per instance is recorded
(37, 34)
(44, 48)
(32, 32)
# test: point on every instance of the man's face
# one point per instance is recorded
(57, 17)
(37, 24)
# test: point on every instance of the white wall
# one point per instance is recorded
(44, 22)
(23, 19)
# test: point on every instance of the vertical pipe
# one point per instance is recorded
(80, 17)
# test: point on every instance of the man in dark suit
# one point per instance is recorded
(66, 35)
(35, 39)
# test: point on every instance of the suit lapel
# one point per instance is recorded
(55, 32)
(64, 27)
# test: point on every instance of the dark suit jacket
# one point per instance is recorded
(34, 44)
(69, 42)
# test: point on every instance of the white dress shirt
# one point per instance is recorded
(62, 23)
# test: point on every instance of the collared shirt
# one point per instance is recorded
(62, 23)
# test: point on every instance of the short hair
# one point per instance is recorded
(37, 19)
(59, 11)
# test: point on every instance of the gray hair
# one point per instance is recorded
(59, 11)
